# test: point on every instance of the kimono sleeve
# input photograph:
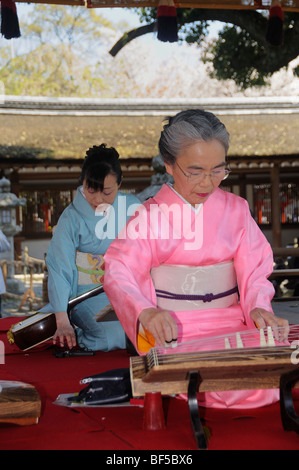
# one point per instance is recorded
(127, 280)
(254, 264)
(61, 264)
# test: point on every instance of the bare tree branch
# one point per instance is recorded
(248, 20)
(268, 59)
(133, 34)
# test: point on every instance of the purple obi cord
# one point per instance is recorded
(204, 298)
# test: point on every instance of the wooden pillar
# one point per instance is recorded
(275, 207)
(15, 189)
(242, 186)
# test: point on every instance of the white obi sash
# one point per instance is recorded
(91, 271)
(182, 288)
(90, 268)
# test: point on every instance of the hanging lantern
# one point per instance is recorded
(274, 32)
(167, 21)
(9, 20)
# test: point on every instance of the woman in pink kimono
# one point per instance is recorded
(192, 263)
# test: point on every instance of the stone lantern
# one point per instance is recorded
(8, 207)
(157, 180)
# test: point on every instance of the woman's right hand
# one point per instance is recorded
(160, 324)
(65, 333)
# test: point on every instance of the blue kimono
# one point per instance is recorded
(74, 261)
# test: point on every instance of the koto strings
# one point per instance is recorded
(256, 342)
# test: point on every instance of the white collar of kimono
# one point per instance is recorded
(196, 209)
(82, 191)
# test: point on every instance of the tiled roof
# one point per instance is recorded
(255, 130)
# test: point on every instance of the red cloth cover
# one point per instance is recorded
(118, 428)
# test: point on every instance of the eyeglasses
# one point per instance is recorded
(219, 174)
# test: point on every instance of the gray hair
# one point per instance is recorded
(188, 127)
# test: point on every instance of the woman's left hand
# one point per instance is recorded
(262, 318)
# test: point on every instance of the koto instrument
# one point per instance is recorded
(246, 360)
(19, 403)
(252, 359)
(40, 327)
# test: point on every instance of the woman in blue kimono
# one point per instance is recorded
(75, 256)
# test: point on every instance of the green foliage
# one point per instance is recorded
(58, 63)
(236, 56)
(146, 15)
(240, 52)
(45, 73)
(64, 45)
(20, 152)
(58, 24)
(196, 30)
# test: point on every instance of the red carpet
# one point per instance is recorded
(120, 428)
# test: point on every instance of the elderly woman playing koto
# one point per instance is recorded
(192, 263)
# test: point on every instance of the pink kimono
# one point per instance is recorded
(167, 232)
